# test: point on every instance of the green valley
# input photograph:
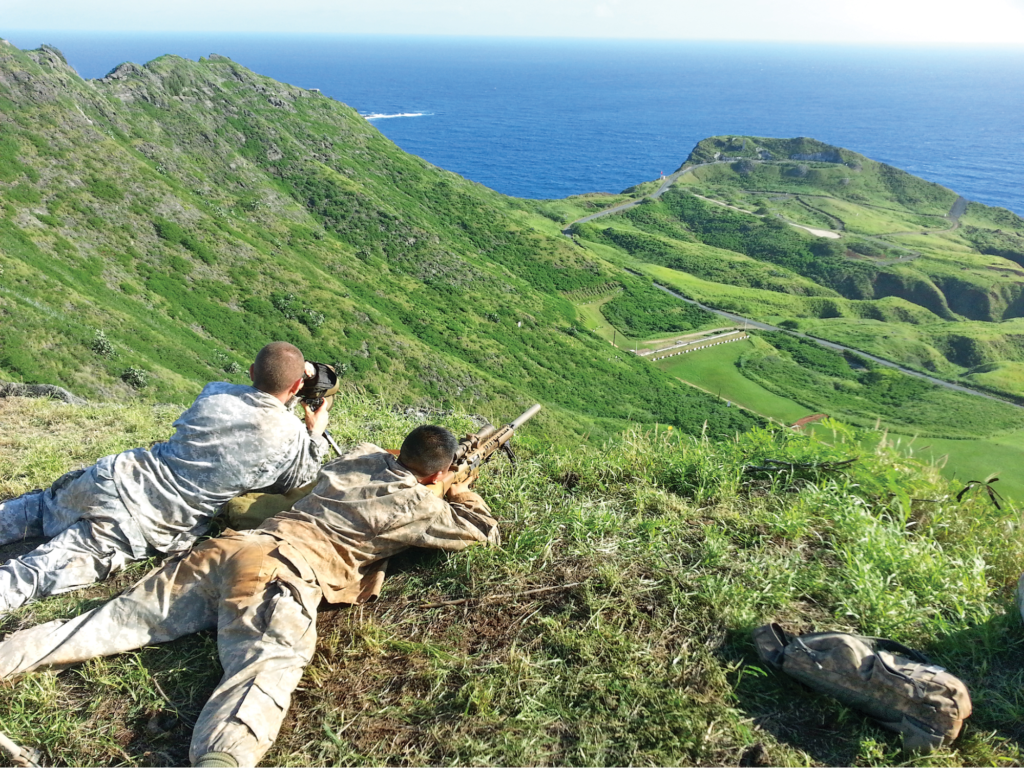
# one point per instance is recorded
(821, 240)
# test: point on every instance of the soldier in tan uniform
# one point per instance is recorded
(260, 589)
(141, 502)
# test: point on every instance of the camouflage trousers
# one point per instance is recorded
(255, 590)
(91, 536)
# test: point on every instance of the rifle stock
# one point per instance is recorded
(477, 449)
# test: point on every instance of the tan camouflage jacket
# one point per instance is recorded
(367, 507)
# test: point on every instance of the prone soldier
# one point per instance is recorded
(135, 504)
(260, 588)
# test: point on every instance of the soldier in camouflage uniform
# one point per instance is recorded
(260, 589)
(138, 503)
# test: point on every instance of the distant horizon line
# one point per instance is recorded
(916, 44)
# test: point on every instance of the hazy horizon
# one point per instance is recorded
(889, 22)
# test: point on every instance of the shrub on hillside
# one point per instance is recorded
(135, 377)
(641, 310)
(105, 190)
(173, 233)
(101, 344)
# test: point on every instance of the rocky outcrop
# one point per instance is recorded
(13, 389)
(122, 72)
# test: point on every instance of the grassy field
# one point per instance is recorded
(965, 460)
(959, 460)
(982, 354)
(715, 371)
(771, 306)
(593, 320)
(662, 551)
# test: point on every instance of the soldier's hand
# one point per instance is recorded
(316, 421)
(457, 489)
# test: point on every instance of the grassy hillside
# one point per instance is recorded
(661, 552)
(160, 224)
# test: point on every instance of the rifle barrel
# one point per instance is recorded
(525, 417)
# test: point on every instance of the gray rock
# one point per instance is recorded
(13, 389)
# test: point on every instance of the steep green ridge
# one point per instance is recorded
(160, 224)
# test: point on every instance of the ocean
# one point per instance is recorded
(548, 118)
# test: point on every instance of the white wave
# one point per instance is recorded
(381, 115)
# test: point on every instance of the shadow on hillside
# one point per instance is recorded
(988, 657)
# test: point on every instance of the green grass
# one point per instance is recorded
(959, 460)
(965, 460)
(902, 402)
(594, 321)
(245, 222)
(715, 371)
(665, 551)
(984, 355)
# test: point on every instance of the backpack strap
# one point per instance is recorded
(893, 647)
(771, 640)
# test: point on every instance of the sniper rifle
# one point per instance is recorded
(477, 449)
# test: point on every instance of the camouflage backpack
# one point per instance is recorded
(897, 686)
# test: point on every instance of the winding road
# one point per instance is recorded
(668, 182)
(833, 346)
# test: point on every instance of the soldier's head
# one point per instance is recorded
(428, 451)
(278, 370)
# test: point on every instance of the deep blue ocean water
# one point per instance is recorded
(551, 118)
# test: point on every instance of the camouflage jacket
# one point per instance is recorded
(233, 439)
(366, 507)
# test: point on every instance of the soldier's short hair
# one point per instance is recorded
(428, 449)
(278, 365)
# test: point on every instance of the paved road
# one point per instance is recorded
(958, 209)
(668, 182)
(837, 347)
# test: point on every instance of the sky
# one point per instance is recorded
(979, 22)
